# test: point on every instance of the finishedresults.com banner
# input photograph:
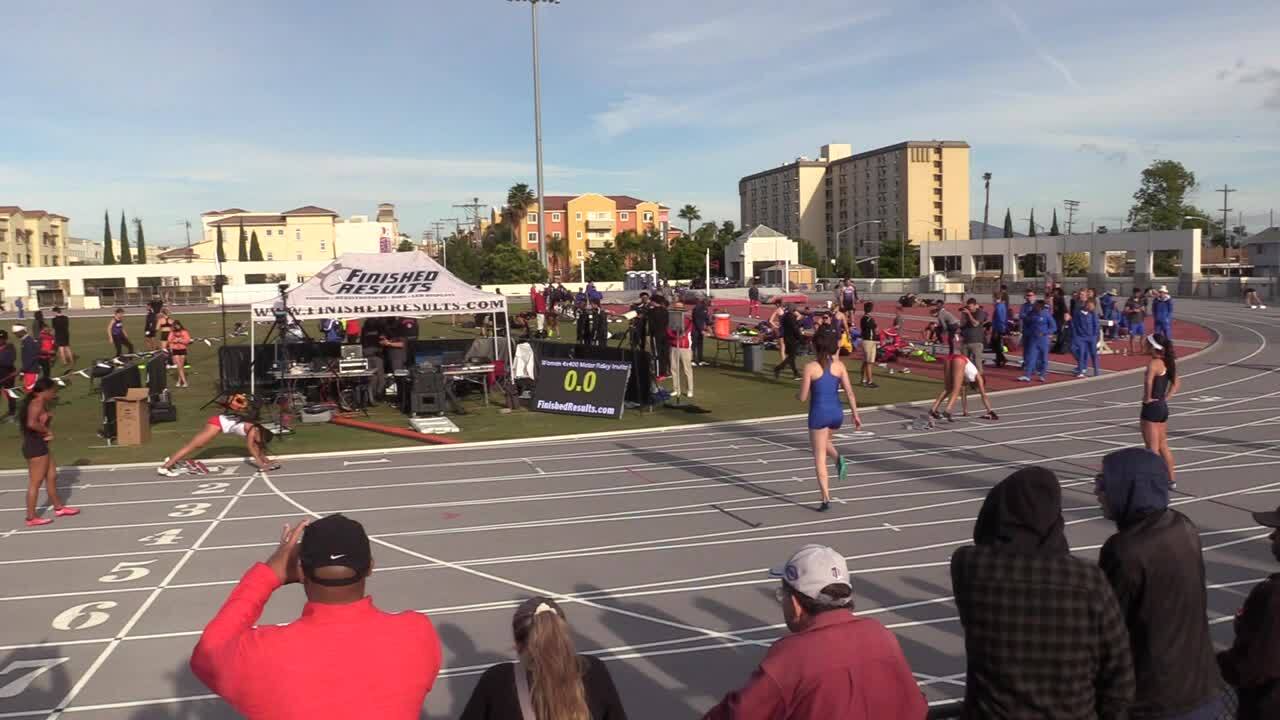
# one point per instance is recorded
(595, 388)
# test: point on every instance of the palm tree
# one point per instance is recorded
(689, 213)
(628, 244)
(556, 249)
(519, 198)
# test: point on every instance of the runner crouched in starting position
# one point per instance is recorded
(959, 372)
(227, 423)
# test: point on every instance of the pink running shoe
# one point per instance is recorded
(37, 522)
(66, 511)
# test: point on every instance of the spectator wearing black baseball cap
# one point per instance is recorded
(834, 664)
(343, 652)
(1252, 665)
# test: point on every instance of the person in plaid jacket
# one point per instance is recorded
(1044, 635)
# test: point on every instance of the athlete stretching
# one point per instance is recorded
(228, 423)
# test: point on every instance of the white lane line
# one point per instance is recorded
(142, 610)
(379, 461)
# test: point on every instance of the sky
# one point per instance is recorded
(166, 110)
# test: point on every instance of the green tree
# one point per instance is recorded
(242, 253)
(507, 263)
(1166, 263)
(630, 245)
(126, 256)
(726, 233)
(1053, 226)
(1031, 224)
(1008, 224)
(255, 250)
(464, 259)
(500, 234)
(1075, 264)
(687, 259)
(894, 252)
(519, 198)
(689, 213)
(108, 250)
(142, 243)
(809, 255)
(1031, 265)
(220, 249)
(406, 245)
(1160, 201)
(606, 265)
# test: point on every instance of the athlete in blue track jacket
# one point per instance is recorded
(1038, 327)
(1084, 338)
(1107, 304)
(1162, 312)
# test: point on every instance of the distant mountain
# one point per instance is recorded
(993, 231)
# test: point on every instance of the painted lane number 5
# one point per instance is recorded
(127, 571)
(33, 668)
(83, 617)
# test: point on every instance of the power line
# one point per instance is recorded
(1072, 207)
(1225, 192)
(474, 206)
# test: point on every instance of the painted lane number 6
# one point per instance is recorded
(83, 617)
(34, 669)
(127, 571)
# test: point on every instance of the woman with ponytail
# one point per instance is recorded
(35, 417)
(551, 681)
(1159, 386)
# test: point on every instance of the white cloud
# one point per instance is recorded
(1035, 44)
(637, 110)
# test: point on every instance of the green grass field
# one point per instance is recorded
(725, 394)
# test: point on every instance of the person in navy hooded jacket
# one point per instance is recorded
(1084, 338)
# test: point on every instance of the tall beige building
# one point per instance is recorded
(32, 238)
(916, 189)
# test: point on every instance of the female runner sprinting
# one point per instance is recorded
(1159, 386)
(820, 387)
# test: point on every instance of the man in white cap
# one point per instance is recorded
(1162, 312)
(834, 664)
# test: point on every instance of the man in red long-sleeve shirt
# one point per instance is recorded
(344, 658)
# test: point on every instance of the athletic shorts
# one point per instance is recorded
(229, 425)
(1156, 412)
(869, 348)
(34, 446)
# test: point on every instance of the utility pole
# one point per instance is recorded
(187, 224)
(444, 246)
(1225, 192)
(986, 205)
(474, 206)
(1072, 207)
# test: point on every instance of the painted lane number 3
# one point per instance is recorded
(182, 510)
(33, 668)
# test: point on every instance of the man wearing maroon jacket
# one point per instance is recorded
(834, 664)
(342, 658)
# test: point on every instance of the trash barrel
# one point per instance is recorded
(752, 357)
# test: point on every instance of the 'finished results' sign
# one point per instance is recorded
(596, 388)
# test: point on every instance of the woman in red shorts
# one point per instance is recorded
(228, 423)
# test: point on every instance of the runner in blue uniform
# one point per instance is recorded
(820, 387)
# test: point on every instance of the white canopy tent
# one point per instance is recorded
(369, 285)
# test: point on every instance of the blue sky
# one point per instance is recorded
(166, 110)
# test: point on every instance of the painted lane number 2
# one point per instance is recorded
(83, 617)
(33, 668)
(210, 488)
(127, 571)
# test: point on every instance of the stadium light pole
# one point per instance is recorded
(852, 227)
(537, 125)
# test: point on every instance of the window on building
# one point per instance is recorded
(267, 232)
(579, 254)
(297, 233)
(270, 255)
(555, 217)
(624, 215)
(579, 234)
(533, 238)
(531, 217)
(298, 255)
(324, 244)
(577, 216)
(647, 217)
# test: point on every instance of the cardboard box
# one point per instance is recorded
(133, 417)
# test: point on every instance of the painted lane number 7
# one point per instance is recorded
(34, 669)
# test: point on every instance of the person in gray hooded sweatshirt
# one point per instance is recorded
(1155, 566)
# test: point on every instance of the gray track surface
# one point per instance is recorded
(662, 539)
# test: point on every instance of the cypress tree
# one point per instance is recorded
(108, 252)
(243, 253)
(222, 252)
(1031, 231)
(255, 251)
(1053, 226)
(1008, 224)
(126, 257)
(142, 246)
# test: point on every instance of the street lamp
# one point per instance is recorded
(537, 125)
(902, 260)
(852, 227)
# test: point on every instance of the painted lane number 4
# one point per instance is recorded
(127, 571)
(166, 537)
(33, 668)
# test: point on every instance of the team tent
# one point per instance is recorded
(370, 285)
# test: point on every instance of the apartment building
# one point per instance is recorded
(33, 238)
(588, 221)
(304, 233)
(915, 189)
